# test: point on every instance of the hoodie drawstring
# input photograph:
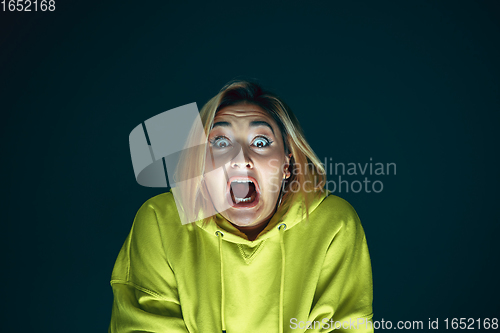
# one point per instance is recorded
(220, 234)
(281, 229)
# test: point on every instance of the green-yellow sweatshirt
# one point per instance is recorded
(296, 276)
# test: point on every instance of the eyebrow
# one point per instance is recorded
(221, 124)
(261, 123)
(254, 123)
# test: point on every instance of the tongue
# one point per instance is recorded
(242, 190)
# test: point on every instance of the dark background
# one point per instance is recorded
(416, 83)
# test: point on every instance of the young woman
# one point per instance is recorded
(273, 251)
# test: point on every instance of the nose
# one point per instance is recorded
(241, 161)
(239, 165)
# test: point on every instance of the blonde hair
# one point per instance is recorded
(307, 172)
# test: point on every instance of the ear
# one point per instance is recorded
(286, 171)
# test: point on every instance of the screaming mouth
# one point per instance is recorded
(243, 192)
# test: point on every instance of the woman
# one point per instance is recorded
(273, 251)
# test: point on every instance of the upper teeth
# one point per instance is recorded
(242, 181)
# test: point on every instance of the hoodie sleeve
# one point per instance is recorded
(143, 283)
(345, 289)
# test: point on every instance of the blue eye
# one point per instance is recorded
(220, 142)
(261, 142)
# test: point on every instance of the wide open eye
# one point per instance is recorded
(220, 142)
(261, 142)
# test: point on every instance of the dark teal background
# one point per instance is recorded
(416, 83)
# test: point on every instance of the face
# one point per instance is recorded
(245, 164)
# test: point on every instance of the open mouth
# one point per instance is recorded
(242, 192)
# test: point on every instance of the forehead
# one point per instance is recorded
(244, 114)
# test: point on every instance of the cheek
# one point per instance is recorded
(215, 181)
(272, 177)
(271, 164)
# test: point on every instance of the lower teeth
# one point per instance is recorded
(238, 200)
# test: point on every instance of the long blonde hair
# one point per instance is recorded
(307, 172)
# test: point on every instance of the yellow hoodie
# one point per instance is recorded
(296, 276)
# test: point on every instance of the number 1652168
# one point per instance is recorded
(28, 5)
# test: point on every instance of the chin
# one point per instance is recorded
(241, 219)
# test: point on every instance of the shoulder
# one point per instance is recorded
(336, 205)
(158, 212)
(161, 205)
(336, 213)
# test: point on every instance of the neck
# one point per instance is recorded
(252, 231)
